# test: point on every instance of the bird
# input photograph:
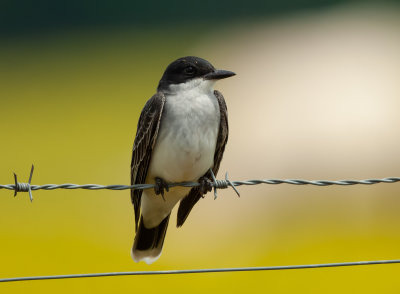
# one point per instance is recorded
(181, 136)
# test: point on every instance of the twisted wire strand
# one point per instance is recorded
(220, 184)
(199, 271)
(216, 184)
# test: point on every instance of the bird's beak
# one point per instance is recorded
(219, 74)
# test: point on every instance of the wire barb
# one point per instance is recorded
(217, 184)
(222, 184)
(23, 187)
(231, 184)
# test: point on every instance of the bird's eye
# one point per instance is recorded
(190, 70)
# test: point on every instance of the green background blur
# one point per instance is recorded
(316, 96)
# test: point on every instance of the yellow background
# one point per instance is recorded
(315, 97)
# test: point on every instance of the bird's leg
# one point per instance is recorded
(205, 186)
(159, 187)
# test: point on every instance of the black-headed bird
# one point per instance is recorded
(181, 135)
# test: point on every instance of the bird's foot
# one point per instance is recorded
(205, 186)
(160, 186)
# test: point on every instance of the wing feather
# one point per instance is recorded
(146, 136)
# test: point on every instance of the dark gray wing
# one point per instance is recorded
(146, 136)
(194, 195)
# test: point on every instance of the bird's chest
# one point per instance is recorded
(187, 137)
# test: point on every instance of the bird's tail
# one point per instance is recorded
(149, 242)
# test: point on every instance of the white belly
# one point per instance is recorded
(184, 150)
(183, 154)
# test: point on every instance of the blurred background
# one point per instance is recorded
(316, 96)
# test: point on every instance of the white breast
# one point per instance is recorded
(185, 145)
(186, 142)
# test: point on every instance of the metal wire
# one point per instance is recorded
(193, 184)
(217, 184)
(200, 271)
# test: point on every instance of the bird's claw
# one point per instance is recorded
(160, 186)
(205, 186)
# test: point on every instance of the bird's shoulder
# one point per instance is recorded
(152, 107)
(149, 117)
(221, 100)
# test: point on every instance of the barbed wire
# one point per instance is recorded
(216, 184)
(200, 271)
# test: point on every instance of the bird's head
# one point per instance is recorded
(191, 71)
